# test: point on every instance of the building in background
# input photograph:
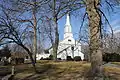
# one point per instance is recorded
(68, 46)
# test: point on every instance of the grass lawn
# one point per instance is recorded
(49, 70)
(5, 70)
(71, 70)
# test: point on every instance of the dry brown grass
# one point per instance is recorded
(112, 72)
(4, 70)
(117, 63)
(51, 70)
(71, 70)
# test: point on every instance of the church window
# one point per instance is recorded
(26, 57)
(69, 40)
(72, 48)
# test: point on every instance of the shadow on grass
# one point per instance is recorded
(50, 70)
(5, 70)
(41, 72)
(47, 71)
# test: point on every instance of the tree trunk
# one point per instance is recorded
(31, 58)
(56, 43)
(35, 31)
(95, 43)
(35, 37)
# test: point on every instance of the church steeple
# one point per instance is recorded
(67, 19)
(68, 28)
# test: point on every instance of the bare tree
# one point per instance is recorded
(28, 12)
(111, 44)
(11, 33)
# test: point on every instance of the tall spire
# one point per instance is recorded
(67, 28)
(68, 20)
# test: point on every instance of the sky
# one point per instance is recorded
(115, 22)
(113, 17)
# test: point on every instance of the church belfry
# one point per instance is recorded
(68, 28)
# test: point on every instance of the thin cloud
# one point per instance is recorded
(116, 25)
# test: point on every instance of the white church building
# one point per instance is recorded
(68, 46)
